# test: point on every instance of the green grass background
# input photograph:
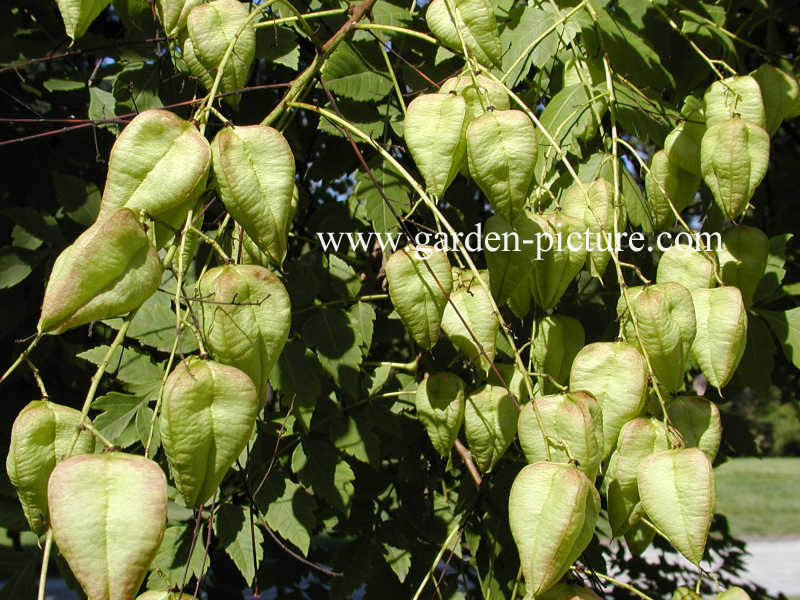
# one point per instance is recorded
(760, 496)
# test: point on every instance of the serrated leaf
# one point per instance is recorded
(292, 515)
(320, 468)
(354, 70)
(398, 559)
(170, 563)
(786, 327)
(232, 526)
(141, 376)
(116, 419)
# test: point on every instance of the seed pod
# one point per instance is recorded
(474, 21)
(108, 271)
(565, 591)
(596, 369)
(573, 421)
(551, 276)
(687, 266)
(552, 511)
(682, 145)
(637, 440)
(173, 14)
(734, 156)
(107, 538)
(743, 259)
(593, 205)
(40, 437)
(501, 153)
(513, 378)
(254, 169)
(699, 423)
(79, 14)
(780, 93)
(667, 327)
(667, 182)
(487, 95)
(734, 593)
(211, 28)
(721, 333)
(683, 593)
(440, 407)
(677, 492)
(470, 310)
(638, 537)
(246, 319)
(556, 341)
(434, 129)
(490, 421)
(158, 166)
(510, 269)
(419, 289)
(734, 96)
(208, 415)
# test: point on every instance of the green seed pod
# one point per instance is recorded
(734, 157)
(743, 259)
(471, 303)
(513, 378)
(682, 145)
(739, 95)
(211, 28)
(158, 166)
(565, 591)
(683, 593)
(173, 14)
(596, 369)
(108, 513)
(510, 269)
(79, 14)
(490, 421)
(680, 187)
(440, 407)
(734, 593)
(594, 206)
(208, 415)
(474, 21)
(556, 341)
(501, 153)
(699, 423)
(434, 129)
(637, 440)
(552, 511)
(573, 421)
(780, 93)
(246, 319)
(487, 95)
(677, 492)
(551, 276)
(721, 332)
(667, 328)
(638, 537)
(687, 266)
(254, 169)
(40, 437)
(108, 271)
(420, 282)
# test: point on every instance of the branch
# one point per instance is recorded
(466, 456)
(301, 82)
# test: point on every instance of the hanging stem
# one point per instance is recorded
(21, 357)
(48, 546)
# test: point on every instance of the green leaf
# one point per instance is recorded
(170, 563)
(298, 374)
(136, 88)
(233, 528)
(398, 559)
(134, 368)
(320, 468)
(330, 331)
(154, 326)
(278, 45)
(364, 115)
(355, 70)
(63, 85)
(786, 327)
(15, 266)
(569, 117)
(394, 188)
(116, 419)
(292, 515)
(102, 105)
